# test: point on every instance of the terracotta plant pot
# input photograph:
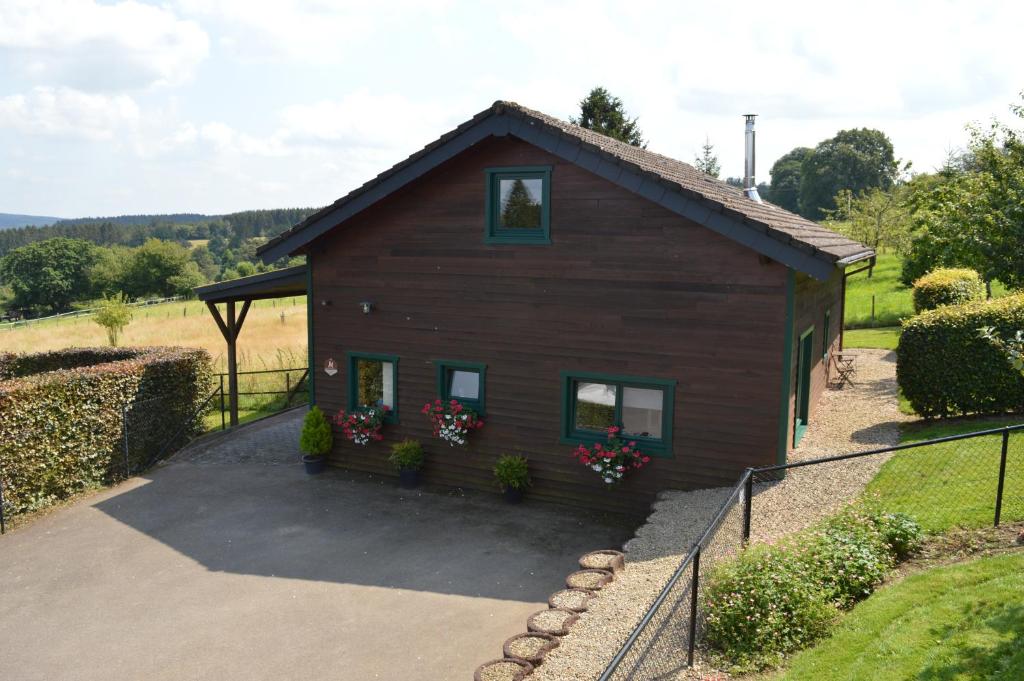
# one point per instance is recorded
(581, 596)
(590, 580)
(566, 619)
(514, 495)
(409, 478)
(314, 464)
(548, 643)
(606, 559)
(525, 668)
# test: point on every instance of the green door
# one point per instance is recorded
(803, 384)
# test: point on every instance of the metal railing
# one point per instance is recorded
(265, 391)
(964, 480)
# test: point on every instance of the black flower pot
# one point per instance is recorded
(314, 464)
(408, 478)
(514, 495)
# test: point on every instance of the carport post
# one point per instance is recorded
(230, 331)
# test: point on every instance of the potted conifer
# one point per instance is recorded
(407, 457)
(315, 441)
(512, 474)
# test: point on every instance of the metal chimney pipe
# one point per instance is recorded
(749, 184)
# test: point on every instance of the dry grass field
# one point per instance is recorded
(273, 337)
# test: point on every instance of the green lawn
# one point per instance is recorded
(953, 483)
(962, 622)
(893, 300)
(886, 338)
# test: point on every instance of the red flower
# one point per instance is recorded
(646, 459)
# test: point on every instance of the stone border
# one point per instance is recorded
(616, 560)
(526, 668)
(605, 580)
(570, 619)
(535, 659)
(586, 603)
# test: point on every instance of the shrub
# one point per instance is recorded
(901, 533)
(761, 606)
(512, 471)
(62, 431)
(947, 287)
(113, 315)
(317, 436)
(406, 455)
(847, 555)
(946, 368)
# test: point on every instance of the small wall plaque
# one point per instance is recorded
(330, 367)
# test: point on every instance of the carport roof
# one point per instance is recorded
(290, 281)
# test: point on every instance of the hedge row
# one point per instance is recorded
(945, 368)
(64, 430)
(947, 287)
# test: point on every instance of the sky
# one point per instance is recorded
(210, 106)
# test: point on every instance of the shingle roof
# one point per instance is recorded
(775, 222)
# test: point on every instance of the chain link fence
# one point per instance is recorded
(971, 479)
(156, 427)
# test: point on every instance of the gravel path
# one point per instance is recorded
(858, 417)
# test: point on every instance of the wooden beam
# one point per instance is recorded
(220, 320)
(241, 318)
(232, 335)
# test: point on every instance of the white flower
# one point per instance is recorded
(609, 480)
(597, 467)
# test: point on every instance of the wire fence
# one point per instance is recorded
(261, 393)
(971, 479)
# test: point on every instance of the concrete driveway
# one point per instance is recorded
(230, 563)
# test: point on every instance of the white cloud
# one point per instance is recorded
(66, 112)
(309, 31)
(94, 47)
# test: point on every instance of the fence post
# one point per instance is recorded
(288, 388)
(223, 425)
(694, 585)
(1002, 474)
(748, 493)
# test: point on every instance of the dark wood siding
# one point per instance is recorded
(626, 287)
(811, 300)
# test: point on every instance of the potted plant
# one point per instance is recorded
(613, 460)
(364, 426)
(407, 457)
(513, 477)
(315, 441)
(452, 421)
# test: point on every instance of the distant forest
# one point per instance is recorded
(133, 230)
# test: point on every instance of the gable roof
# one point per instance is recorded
(766, 228)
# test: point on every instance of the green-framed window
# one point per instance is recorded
(518, 205)
(642, 407)
(463, 381)
(804, 363)
(373, 382)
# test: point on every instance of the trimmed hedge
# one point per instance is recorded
(947, 286)
(63, 430)
(945, 368)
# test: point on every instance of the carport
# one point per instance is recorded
(290, 281)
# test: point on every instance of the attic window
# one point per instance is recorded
(518, 205)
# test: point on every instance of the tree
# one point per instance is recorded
(152, 265)
(975, 218)
(606, 114)
(786, 173)
(707, 160)
(189, 277)
(856, 159)
(876, 217)
(520, 209)
(114, 315)
(106, 276)
(49, 274)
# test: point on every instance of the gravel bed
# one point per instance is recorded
(551, 621)
(588, 579)
(602, 560)
(858, 417)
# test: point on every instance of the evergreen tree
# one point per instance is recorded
(707, 160)
(602, 112)
(520, 210)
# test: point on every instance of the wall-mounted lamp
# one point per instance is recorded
(325, 302)
(366, 306)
